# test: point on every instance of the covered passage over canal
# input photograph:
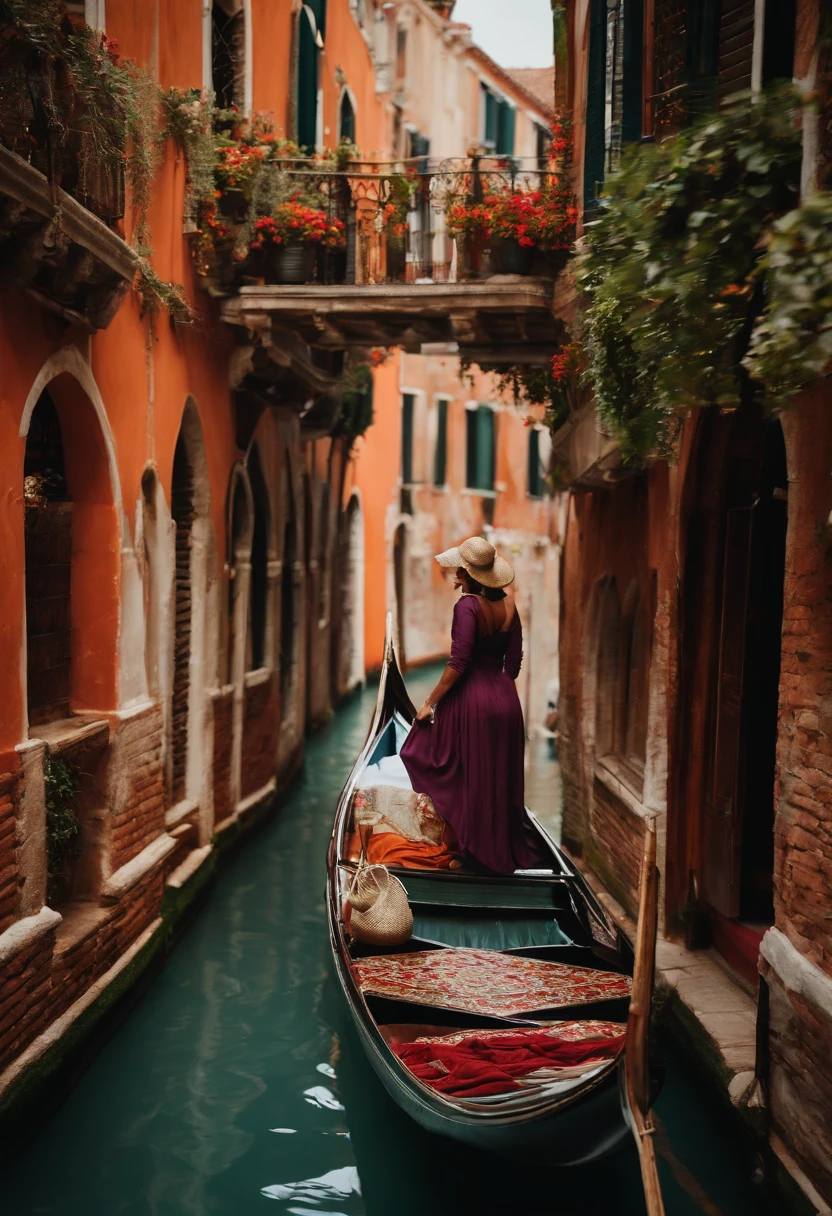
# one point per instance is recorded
(238, 1086)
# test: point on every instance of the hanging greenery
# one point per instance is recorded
(792, 342)
(673, 271)
(82, 113)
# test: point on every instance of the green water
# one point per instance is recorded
(237, 1084)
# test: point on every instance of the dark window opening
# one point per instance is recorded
(347, 124)
(408, 405)
(779, 26)
(440, 455)
(48, 550)
(595, 144)
(259, 561)
(536, 477)
(480, 454)
(228, 54)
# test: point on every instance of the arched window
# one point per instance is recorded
(346, 124)
(258, 612)
(48, 524)
(228, 53)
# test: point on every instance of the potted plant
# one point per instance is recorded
(289, 237)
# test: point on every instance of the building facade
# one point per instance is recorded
(198, 552)
(695, 642)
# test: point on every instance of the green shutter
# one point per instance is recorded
(440, 456)
(308, 52)
(483, 455)
(596, 77)
(633, 87)
(407, 439)
(505, 129)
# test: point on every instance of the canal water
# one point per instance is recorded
(237, 1085)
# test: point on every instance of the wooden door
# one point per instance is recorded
(723, 817)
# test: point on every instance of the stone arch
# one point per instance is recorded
(101, 548)
(351, 640)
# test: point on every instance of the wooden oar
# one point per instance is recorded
(636, 1056)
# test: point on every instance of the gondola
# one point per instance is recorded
(548, 915)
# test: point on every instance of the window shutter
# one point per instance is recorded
(440, 458)
(505, 129)
(308, 52)
(595, 101)
(471, 448)
(485, 448)
(736, 43)
(407, 439)
(633, 88)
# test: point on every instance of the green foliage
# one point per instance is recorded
(672, 268)
(62, 828)
(528, 384)
(792, 342)
(356, 400)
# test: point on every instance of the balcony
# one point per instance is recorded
(57, 250)
(63, 145)
(397, 256)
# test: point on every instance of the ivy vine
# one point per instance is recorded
(672, 270)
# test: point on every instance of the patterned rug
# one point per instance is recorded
(485, 982)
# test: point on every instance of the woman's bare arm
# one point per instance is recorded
(447, 680)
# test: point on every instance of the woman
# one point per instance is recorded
(466, 747)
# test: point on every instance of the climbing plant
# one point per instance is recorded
(75, 107)
(61, 784)
(672, 271)
(792, 341)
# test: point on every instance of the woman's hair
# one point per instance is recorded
(490, 593)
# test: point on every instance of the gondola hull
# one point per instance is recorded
(568, 1127)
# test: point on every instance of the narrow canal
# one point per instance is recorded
(237, 1085)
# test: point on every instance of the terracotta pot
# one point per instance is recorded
(295, 264)
(514, 258)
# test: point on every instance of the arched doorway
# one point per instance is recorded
(257, 654)
(732, 611)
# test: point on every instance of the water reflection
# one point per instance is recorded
(240, 1073)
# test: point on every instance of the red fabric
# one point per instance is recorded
(490, 1064)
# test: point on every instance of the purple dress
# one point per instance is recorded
(470, 760)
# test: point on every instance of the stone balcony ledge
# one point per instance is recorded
(59, 252)
(503, 318)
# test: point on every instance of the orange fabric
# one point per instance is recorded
(389, 849)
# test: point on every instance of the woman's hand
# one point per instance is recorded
(424, 714)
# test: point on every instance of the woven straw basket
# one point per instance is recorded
(381, 915)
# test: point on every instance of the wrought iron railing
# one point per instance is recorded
(396, 218)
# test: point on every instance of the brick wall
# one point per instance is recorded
(223, 731)
(82, 957)
(800, 1084)
(617, 842)
(25, 997)
(803, 826)
(138, 812)
(260, 727)
(9, 876)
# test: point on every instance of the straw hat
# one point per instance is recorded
(480, 559)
